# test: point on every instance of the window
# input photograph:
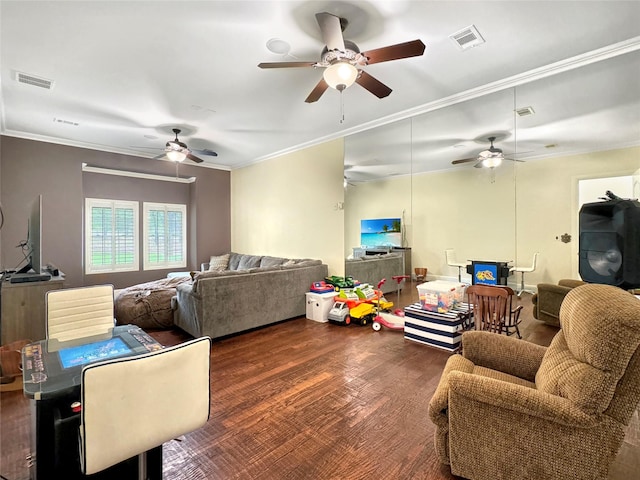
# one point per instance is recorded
(165, 233)
(111, 236)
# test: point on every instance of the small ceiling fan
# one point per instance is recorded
(343, 61)
(177, 151)
(489, 158)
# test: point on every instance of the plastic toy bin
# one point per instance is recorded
(440, 296)
(318, 305)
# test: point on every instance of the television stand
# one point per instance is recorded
(22, 315)
(404, 251)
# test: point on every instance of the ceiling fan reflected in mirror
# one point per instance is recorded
(177, 151)
(343, 61)
(492, 157)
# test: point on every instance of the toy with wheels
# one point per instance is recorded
(363, 313)
(339, 313)
(388, 320)
(393, 321)
(341, 282)
(399, 279)
(322, 287)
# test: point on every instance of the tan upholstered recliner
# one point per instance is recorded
(546, 303)
(507, 408)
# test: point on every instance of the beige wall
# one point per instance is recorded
(526, 210)
(288, 206)
(384, 199)
(547, 197)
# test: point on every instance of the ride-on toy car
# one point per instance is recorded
(393, 321)
(339, 313)
(363, 313)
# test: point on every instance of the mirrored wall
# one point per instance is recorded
(554, 132)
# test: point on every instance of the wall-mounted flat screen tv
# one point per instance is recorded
(381, 232)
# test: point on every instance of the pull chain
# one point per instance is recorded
(341, 89)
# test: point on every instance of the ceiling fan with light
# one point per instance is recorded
(343, 61)
(177, 151)
(490, 158)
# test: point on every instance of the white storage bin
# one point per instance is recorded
(319, 304)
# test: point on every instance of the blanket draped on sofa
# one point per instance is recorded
(148, 305)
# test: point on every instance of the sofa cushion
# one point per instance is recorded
(267, 261)
(234, 260)
(249, 261)
(217, 273)
(306, 262)
(219, 263)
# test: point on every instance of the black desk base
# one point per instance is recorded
(58, 447)
(488, 272)
(55, 451)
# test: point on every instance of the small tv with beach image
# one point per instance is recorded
(381, 232)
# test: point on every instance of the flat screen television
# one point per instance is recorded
(381, 232)
(34, 238)
(92, 352)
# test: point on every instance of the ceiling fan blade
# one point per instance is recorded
(372, 84)
(192, 157)
(464, 160)
(205, 151)
(162, 155)
(512, 159)
(414, 48)
(331, 31)
(286, 64)
(317, 92)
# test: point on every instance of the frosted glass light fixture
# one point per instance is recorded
(340, 75)
(492, 162)
(176, 155)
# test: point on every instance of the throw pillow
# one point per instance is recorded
(272, 261)
(219, 263)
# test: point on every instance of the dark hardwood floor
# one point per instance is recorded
(309, 400)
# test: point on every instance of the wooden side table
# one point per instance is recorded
(23, 310)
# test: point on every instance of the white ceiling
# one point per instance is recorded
(128, 72)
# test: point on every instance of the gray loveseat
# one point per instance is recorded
(248, 292)
(371, 269)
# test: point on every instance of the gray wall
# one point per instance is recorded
(29, 168)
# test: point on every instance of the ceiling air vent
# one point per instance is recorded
(523, 112)
(467, 37)
(33, 80)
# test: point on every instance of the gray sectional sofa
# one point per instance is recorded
(248, 291)
(371, 269)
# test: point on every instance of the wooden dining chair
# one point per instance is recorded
(492, 308)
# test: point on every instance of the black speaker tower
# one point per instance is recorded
(609, 243)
